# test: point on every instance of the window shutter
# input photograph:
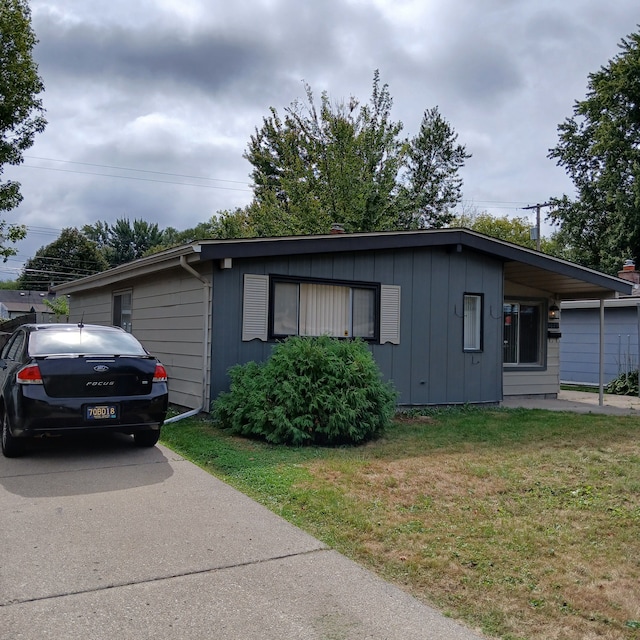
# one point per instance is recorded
(255, 307)
(389, 314)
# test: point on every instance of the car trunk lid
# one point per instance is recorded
(96, 376)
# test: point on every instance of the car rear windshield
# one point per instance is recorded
(84, 341)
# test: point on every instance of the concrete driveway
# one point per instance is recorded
(101, 540)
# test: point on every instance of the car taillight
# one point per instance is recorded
(160, 375)
(29, 375)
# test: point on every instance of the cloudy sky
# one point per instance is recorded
(151, 103)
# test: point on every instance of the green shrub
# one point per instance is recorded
(310, 391)
(625, 384)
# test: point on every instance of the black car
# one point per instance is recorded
(62, 378)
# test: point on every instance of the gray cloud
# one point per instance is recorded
(178, 88)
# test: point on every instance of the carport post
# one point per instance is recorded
(601, 364)
(638, 360)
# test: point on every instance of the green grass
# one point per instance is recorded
(522, 523)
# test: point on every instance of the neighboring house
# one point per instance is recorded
(451, 316)
(580, 344)
(16, 302)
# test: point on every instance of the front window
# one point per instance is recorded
(315, 309)
(522, 337)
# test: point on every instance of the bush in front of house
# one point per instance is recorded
(321, 391)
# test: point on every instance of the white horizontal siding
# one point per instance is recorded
(542, 382)
(167, 317)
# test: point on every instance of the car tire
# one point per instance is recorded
(11, 447)
(146, 438)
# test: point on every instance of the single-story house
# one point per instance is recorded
(16, 302)
(585, 352)
(450, 315)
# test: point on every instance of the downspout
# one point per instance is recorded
(206, 294)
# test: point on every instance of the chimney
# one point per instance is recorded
(629, 272)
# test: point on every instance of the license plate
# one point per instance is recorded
(101, 412)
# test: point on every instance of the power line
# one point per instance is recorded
(161, 173)
(108, 175)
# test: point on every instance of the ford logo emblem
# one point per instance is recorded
(101, 368)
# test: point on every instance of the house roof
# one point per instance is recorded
(561, 279)
(22, 301)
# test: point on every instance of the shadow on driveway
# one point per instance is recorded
(50, 466)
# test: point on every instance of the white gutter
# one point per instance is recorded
(206, 295)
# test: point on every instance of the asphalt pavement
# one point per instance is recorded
(104, 541)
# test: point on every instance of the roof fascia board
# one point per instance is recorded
(206, 250)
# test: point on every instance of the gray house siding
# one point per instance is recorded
(167, 317)
(429, 366)
(580, 343)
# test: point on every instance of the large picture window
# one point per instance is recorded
(274, 307)
(522, 336)
(322, 308)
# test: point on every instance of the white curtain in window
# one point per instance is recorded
(324, 310)
(472, 322)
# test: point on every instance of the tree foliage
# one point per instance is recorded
(516, 229)
(21, 111)
(124, 241)
(599, 147)
(433, 185)
(69, 257)
(59, 307)
(346, 163)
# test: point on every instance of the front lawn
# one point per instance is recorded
(522, 523)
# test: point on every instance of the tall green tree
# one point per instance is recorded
(599, 147)
(21, 111)
(433, 183)
(71, 256)
(346, 163)
(124, 240)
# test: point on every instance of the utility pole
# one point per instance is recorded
(537, 207)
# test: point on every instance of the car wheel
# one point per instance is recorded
(11, 447)
(146, 438)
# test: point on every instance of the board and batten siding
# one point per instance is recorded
(168, 318)
(429, 365)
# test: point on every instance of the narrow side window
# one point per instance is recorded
(122, 310)
(472, 324)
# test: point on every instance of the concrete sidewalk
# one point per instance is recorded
(107, 541)
(579, 402)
